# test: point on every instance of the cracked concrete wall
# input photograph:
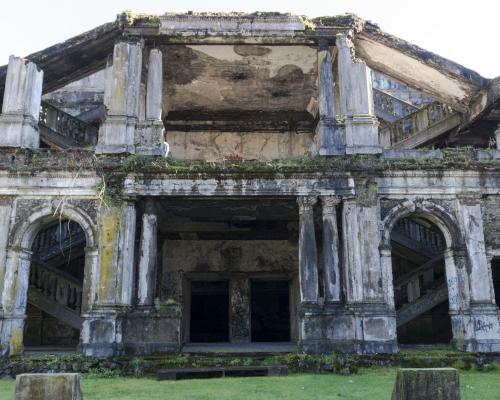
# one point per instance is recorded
(180, 257)
(219, 146)
(491, 222)
(239, 77)
(233, 260)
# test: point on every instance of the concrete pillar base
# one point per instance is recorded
(147, 331)
(19, 131)
(101, 333)
(11, 335)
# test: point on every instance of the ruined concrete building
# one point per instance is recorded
(327, 187)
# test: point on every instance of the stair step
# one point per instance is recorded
(221, 372)
(421, 305)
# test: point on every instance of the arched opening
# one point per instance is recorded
(419, 281)
(55, 287)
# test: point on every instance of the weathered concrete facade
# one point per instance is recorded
(281, 208)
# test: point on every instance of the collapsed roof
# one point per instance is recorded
(239, 72)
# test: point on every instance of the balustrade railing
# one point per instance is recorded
(71, 131)
(56, 285)
(56, 239)
(417, 121)
(390, 106)
(426, 237)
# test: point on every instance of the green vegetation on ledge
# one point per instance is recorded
(457, 158)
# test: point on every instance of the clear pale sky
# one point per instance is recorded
(463, 31)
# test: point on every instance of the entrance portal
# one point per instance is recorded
(55, 286)
(270, 307)
(209, 312)
(419, 281)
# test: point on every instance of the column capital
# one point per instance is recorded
(306, 203)
(330, 201)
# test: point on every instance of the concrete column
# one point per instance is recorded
(90, 279)
(150, 133)
(122, 96)
(21, 104)
(5, 212)
(154, 93)
(331, 260)
(308, 259)
(126, 257)
(239, 310)
(361, 249)
(484, 312)
(14, 299)
(458, 298)
(147, 257)
(356, 100)
(479, 277)
(353, 279)
(331, 136)
(387, 278)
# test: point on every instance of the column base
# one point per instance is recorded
(11, 335)
(362, 135)
(116, 135)
(331, 138)
(375, 328)
(101, 333)
(146, 331)
(485, 322)
(149, 138)
(366, 328)
(19, 130)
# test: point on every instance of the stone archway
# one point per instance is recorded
(453, 253)
(17, 269)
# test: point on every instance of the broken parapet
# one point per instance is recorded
(21, 105)
(356, 100)
(231, 24)
(125, 130)
(48, 387)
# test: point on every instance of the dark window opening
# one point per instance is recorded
(270, 312)
(495, 269)
(209, 312)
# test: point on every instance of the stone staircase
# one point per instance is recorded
(389, 107)
(52, 290)
(56, 293)
(423, 304)
(63, 131)
(419, 127)
(423, 292)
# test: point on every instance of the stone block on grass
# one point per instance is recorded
(48, 387)
(426, 384)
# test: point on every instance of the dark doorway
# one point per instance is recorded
(55, 286)
(209, 312)
(270, 311)
(419, 281)
(495, 269)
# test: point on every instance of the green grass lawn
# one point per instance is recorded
(369, 384)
